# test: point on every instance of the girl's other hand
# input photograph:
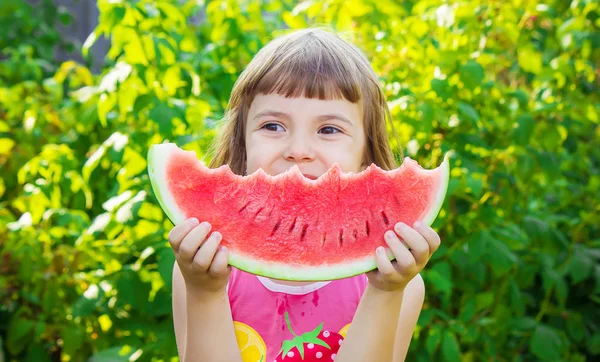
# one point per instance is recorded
(203, 262)
(412, 249)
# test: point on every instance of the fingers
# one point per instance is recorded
(192, 242)
(180, 231)
(220, 262)
(404, 258)
(204, 256)
(384, 265)
(415, 241)
(433, 239)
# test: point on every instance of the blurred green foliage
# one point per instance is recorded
(511, 88)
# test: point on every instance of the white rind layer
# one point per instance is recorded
(158, 158)
(304, 273)
(438, 200)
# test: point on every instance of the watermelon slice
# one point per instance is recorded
(290, 227)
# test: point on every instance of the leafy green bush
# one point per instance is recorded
(510, 88)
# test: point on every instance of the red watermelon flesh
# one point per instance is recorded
(290, 227)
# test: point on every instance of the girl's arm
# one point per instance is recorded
(412, 303)
(388, 311)
(203, 324)
(383, 324)
(201, 310)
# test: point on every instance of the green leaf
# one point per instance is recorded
(439, 279)
(536, 228)
(441, 88)
(551, 278)
(161, 305)
(427, 111)
(468, 112)
(73, 338)
(549, 163)
(477, 244)
(581, 266)
(524, 323)
(530, 60)
(524, 129)
(576, 327)
(433, 340)
(143, 101)
(35, 353)
(512, 236)
(467, 311)
(594, 344)
(113, 354)
(450, 349)
(474, 185)
(106, 103)
(516, 298)
(162, 115)
(521, 96)
(6, 145)
(131, 290)
(484, 300)
(20, 331)
(166, 260)
(471, 74)
(87, 303)
(501, 258)
(546, 344)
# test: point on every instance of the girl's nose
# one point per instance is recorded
(299, 150)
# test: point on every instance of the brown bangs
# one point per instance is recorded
(312, 72)
(311, 65)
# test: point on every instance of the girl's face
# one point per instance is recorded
(311, 133)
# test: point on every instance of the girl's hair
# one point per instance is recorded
(314, 63)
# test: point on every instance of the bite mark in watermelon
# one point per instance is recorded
(290, 227)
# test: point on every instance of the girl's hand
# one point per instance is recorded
(203, 263)
(422, 241)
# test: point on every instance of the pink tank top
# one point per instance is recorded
(260, 306)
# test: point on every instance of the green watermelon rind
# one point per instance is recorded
(159, 156)
(157, 162)
(438, 202)
(307, 274)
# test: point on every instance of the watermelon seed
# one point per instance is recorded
(243, 208)
(293, 224)
(323, 238)
(303, 232)
(384, 217)
(341, 237)
(258, 212)
(276, 227)
(355, 234)
(368, 229)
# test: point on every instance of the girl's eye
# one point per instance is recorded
(273, 127)
(329, 130)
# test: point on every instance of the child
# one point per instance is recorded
(308, 99)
